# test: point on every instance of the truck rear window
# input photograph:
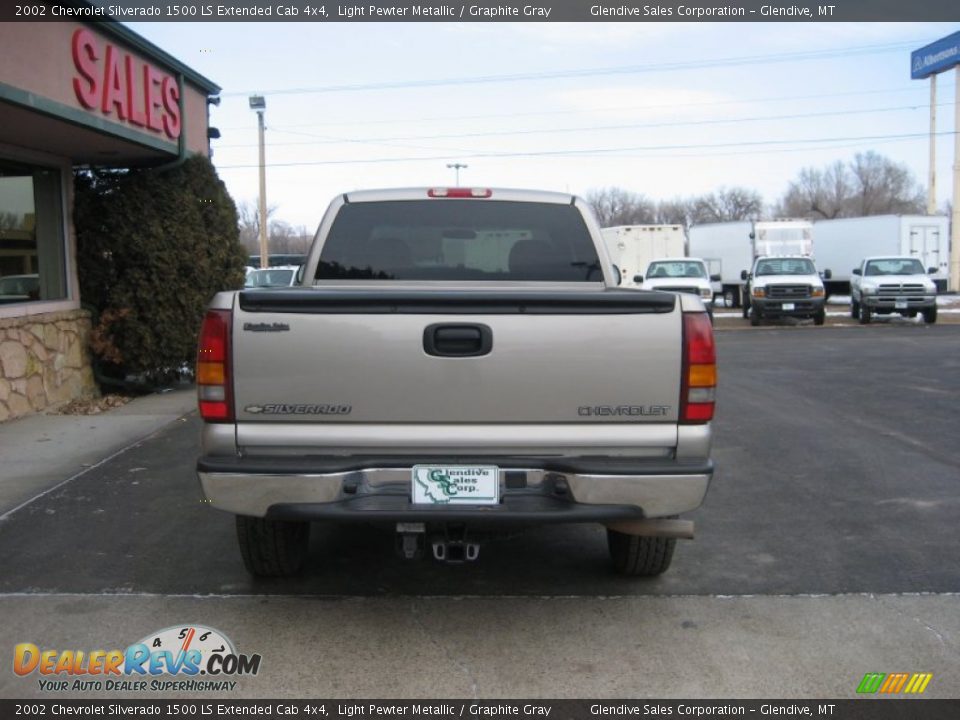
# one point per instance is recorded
(459, 240)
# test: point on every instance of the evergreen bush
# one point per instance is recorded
(153, 247)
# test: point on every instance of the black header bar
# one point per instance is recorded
(304, 11)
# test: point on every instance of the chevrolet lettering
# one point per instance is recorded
(606, 410)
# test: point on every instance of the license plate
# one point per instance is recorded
(789, 306)
(901, 305)
(456, 485)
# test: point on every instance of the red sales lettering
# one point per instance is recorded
(124, 87)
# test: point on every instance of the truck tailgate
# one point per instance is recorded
(344, 357)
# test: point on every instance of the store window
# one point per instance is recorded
(32, 257)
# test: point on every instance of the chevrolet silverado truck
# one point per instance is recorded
(784, 286)
(454, 362)
(886, 285)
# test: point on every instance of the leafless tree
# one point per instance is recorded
(248, 219)
(870, 184)
(10, 221)
(287, 239)
(674, 212)
(616, 206)
(727, 204)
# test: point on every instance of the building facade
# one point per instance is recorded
(73, 94)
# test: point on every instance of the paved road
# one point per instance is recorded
(839, 475)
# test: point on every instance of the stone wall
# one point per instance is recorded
(44, 362)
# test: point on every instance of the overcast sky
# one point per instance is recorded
(656, 108)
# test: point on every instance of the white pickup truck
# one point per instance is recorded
(886, 285)
(455, 361)
(683, 275)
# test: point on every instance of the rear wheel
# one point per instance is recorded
(930, 315)
(640, 556)
(731, 298)
(272, 548)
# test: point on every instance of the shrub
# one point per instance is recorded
(153, 246)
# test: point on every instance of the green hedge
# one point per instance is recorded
(153, 246)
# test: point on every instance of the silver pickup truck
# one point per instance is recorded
(887, 285)
(455, 361)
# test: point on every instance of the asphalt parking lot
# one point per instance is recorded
(835, 505)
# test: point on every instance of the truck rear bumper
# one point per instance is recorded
(539, 491)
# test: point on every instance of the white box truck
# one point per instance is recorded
(632, 247)
(843, 244)
(729, 248)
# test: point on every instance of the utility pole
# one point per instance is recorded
(259, 103)
(932, 185)
(456, 168)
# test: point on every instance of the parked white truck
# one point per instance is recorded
(454, 362)
(729, 248)
(842, 244)
(683, 275)
(892, 285)
(633, 247)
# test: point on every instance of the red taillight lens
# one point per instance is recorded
(459, 192)
(698, 386)
(213, 367)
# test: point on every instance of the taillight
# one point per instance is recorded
(699, 382)
(213, 367)
(459, 192)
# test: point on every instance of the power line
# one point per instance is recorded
(824, 54)
(593, 128)
(616, 108)
(594, 151)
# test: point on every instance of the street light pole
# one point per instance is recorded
(456, 168)
(258, 103)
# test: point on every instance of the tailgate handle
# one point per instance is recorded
(448, 340)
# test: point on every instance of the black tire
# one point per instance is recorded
(865, 315)
(272, 548)
(640, 556)
(731, 298)
(854, 309)
(820, 317)
(755, 316)
(930, 315)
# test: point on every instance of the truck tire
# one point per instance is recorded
(755, 317)
(820, 317)
(864, 315)
(930, 315)
(854, 309)
(731, 298)
(640, 556)
(746, 308)
(272, 548)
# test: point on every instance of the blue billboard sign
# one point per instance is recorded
(935, 57)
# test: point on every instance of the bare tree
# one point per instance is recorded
(674, 212)
(725, 205)
(286, 239)
(870, 184)
(616, 206)
(248, 219)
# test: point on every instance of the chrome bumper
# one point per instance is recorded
(381, 492)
